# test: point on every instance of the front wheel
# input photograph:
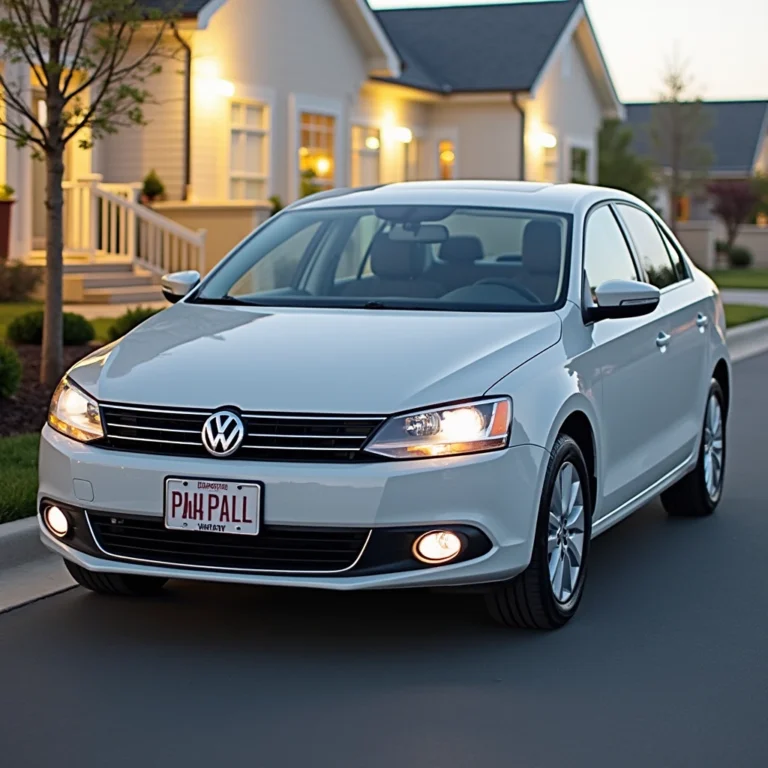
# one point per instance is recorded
(699, 492)
(115, 583)
(547, 594)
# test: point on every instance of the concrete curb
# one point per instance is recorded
(20, 543)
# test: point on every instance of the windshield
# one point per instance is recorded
(401, 257)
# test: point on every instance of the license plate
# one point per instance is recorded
(212, 506)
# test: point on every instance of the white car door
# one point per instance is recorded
(624, 357)
(682, 335)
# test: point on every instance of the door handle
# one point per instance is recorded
(702, 321)
(662, 341)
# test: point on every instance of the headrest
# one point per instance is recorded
(463, 249)
(395, 260)
(542, 247)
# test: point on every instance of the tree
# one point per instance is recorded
(734, 203)
(678, 128)
(92, 59)
(619, 167)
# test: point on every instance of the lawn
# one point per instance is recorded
(738, 314)
(11, 310)
(756, 279)
(18, 477)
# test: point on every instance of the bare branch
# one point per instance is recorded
(19, 105)
(27, 28)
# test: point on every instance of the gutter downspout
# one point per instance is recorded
(519, 108)
(187, 113)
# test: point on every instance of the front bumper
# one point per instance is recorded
(496, 494)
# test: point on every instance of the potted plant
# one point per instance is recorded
(6, 203)
(153, 188)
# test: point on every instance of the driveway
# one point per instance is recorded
(665, 666)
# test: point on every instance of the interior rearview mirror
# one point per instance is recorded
(616, 299)
(178, 284)
(425, 233)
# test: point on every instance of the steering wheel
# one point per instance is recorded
(513, 286)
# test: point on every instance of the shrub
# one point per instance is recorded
(128, 321)
(6, 192)
(28, 329)
(739, 258)
(153, 188)
(17, 281)
(721, 246)
(277, 204)
(10, 371)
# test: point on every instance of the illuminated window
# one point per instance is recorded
(683, 209)
(549, 164)
(366, 145)
(317, 162)
(249, 151)
(447, 160)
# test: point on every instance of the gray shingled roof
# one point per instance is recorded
(184, 7)
(478, 47)
(734, 132)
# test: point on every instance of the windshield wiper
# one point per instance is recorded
(378, 305)
(226, 300)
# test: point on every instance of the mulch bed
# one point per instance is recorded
(28, 409)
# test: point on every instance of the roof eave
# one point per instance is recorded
(761, 139)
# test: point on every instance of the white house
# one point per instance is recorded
(273, 89)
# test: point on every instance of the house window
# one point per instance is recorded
(549, 164)
(412, 158)
(316, 153)
(249, 151)
(579, 165)
(447, 160)
(366, 145)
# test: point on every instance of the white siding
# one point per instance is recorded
(274, 50)
(566, 105)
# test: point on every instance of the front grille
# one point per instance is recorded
(276, 548)
(270, 437)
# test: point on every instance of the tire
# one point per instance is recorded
(115, 584)
(692, 496)
(529, 600)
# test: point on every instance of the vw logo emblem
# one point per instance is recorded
(223, 434)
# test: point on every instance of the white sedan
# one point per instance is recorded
(445, 384)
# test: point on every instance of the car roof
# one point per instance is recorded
(565, 198)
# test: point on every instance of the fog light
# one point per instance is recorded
(437, 547)
(57, 522)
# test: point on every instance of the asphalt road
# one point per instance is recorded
(665, 666)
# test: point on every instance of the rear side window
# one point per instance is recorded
(606, 253)
(677, 260)
(651, 249)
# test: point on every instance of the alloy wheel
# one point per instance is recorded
(565, 539)
(713, 447)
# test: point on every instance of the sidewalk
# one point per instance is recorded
(739, 296)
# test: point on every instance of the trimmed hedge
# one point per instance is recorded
(10, 371)
(740, 258)
(28, 329)
(17, 281)
(128, 321)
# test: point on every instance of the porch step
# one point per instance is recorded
(114, 279)
(123, 295)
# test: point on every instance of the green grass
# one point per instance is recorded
(11, 310)
(18, 477)
(738, 314)
(756, 279)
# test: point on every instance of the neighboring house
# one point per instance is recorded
(280, 90)
(735, 131)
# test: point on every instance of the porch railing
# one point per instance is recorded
(107, 221)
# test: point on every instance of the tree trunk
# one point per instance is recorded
(53, 349)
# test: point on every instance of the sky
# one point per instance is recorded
(723, 43)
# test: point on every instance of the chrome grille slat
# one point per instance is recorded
(269, 436)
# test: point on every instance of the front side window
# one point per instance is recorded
(606, 253)
(653, 254)
(680, 269)
(401, 257)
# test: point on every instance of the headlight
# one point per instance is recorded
(455, 429)
(74, 413)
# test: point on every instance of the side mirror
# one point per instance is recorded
(178, 284)
(617, 299)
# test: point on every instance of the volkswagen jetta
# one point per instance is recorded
(416, 385)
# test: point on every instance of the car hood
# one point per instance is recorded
(313, 360)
